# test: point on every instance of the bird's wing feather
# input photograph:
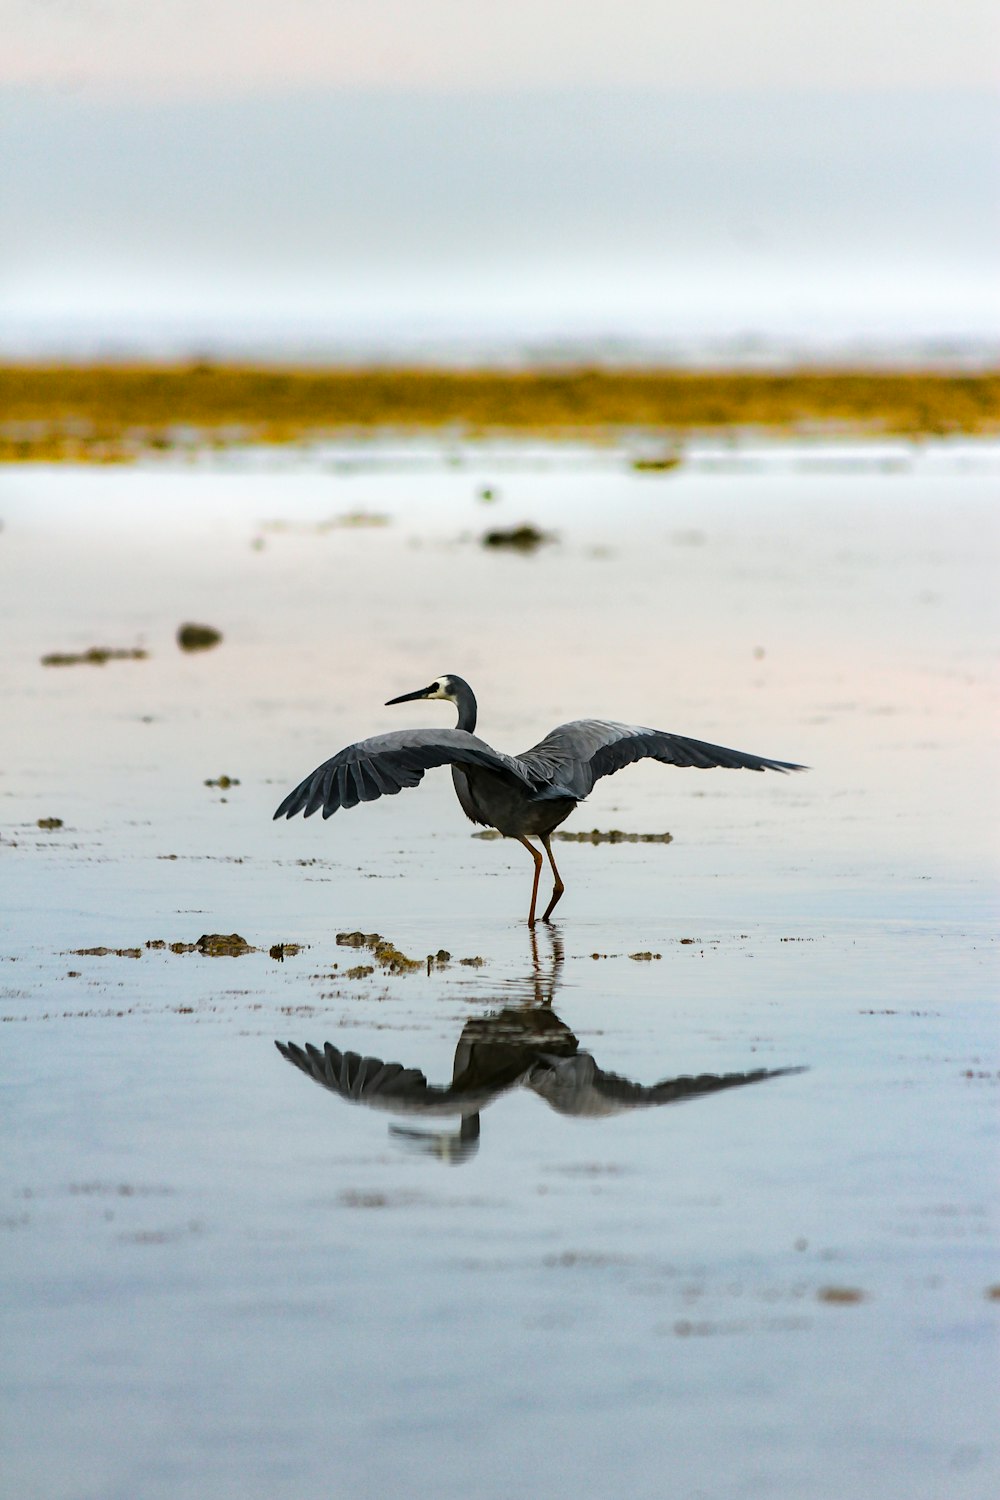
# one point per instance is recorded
(384, 764)
(577, 754)
(577, 1086)
(384, 1085)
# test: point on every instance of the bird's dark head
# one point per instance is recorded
(447, 687)
(452, 690)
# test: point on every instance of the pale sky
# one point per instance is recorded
(188, 46)
(397, 168)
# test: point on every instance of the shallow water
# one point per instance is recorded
(222, 1279)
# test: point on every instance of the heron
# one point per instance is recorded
(521, 796)
(522, 1045)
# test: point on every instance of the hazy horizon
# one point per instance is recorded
(336, 178)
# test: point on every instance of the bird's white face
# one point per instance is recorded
(441, 688)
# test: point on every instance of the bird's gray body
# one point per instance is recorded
(521, 796)
(491, 801)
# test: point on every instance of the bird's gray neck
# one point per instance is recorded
(465, 702)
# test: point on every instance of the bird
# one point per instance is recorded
(517, 1047)
(521, 796)
(524, 1044)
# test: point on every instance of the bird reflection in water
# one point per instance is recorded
(524, 1045)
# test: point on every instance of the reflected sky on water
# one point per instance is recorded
(221, 1281)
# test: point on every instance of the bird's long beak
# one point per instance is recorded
(409, 697)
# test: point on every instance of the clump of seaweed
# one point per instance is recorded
(661, 463)
(387, 955)
(212, 944)
(614, 836)
(50, 822)
(198, 637)
(523, 538)
(593, 836)
(96, 656)
(223, 782)
(281, 951)
(223, 945)
(840, 1296)
(107, 952)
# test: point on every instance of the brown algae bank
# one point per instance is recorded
(485, 1253)
(117, 413)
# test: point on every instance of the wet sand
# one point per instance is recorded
(546, 1267)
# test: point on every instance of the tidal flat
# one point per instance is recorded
(692, 1192)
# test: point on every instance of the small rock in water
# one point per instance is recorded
(281, 951)
(840, 1296)
(386, 953)
(223, 944)
(198, 637)
(524, 538)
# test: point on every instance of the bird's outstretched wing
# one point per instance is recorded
(577, 754)
(383, 765)
(577, 1086)
(386, 1086)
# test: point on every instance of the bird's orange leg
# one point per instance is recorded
(558, 888)
(537, 857)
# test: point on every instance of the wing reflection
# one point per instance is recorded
(524, 1045)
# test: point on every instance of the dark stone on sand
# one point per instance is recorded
(198, 637)
(525, 538)
(223, 945)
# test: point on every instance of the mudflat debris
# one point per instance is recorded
(107, 952)
(213, 944)
(593, 836)
(281, 951)
(356, 520)
(523, 538)
(841, 1296)
(223, 945)
(198, 637)
(656, 463)
(95, 656)
(50, 822)
(613, 836)
(387, 955)
(223, 782)
(645, 957)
